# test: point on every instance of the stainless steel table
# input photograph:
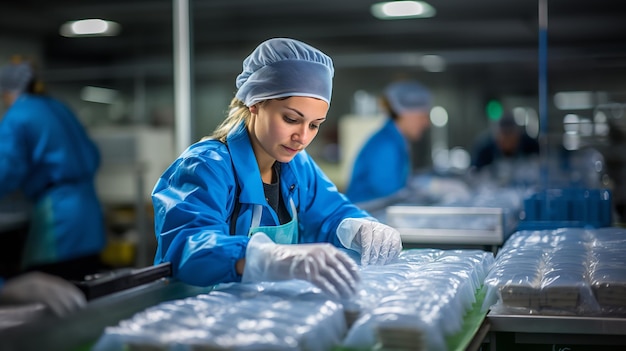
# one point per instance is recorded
(430, 225)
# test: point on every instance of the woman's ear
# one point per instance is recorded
(254, 109)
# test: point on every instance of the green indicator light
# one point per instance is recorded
(494, 110)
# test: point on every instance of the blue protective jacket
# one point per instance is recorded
(486, 150)
(381, 167)
(195, 198)
(47, 155)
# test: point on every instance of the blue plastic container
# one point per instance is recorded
(569, 207)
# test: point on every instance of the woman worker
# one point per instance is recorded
(249, 204)
(382, 167)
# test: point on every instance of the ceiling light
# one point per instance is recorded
(89, 27)
(99, 95)
(402, 10)
(439, 116)
(574, 100)
(433, 63)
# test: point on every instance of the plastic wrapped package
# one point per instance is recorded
(475, 262)
(418, 300)
(565, 271)
(393, 327)
(608, 273)
(456, 282)
(609, 287)
(376, 283)
(291, 315)
(416, 258)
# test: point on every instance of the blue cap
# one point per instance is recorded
(408, 96)
(282, 67)
(507, 124)
(15, 77)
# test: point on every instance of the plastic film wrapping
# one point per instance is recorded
(566, 271)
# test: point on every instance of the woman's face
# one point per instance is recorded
(281, 128)
(413, 124)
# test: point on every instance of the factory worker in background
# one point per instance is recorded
(46, 154)
(505, 140)
(249, 204)
(505, 152)
(383, 165)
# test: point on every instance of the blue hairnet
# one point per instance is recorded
(283, 67)
(16, 77)
(408, 96)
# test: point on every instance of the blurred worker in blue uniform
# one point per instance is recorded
(249, 204)
(504, 141)
(46, 154)
(383, 165)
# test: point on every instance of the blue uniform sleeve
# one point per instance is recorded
(14, 155)
(192, 203)
(379, 171)
(322, 206)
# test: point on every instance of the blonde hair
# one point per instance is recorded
(237, 112)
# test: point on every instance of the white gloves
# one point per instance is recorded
(376, 242)
(322, 264)
(61, 296)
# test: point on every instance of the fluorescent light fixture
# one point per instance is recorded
(586, 127)
(520, 115)
(532, 122)
(600, 123)
(460, 158)
(99, 95)
(571, 141)
(573, 100)
(441, 159)
(571, 123)
(439, 116)
(433, 63)
(89, 27)
(402, 10)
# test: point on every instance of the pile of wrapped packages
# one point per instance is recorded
(415, 303)
(566, 271)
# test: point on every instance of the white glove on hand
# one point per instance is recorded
(322, 264)
(61, 296)
(376, 242)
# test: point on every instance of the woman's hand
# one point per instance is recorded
(322, 264)
(376, 242)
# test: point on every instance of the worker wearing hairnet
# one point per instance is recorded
(505, 140)
(382, 166)
(249, 204)
(46, 154)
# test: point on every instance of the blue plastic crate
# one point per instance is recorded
(569, 207)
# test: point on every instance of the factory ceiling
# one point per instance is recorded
(582, 35)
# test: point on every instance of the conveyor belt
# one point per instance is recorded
(80, 330)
